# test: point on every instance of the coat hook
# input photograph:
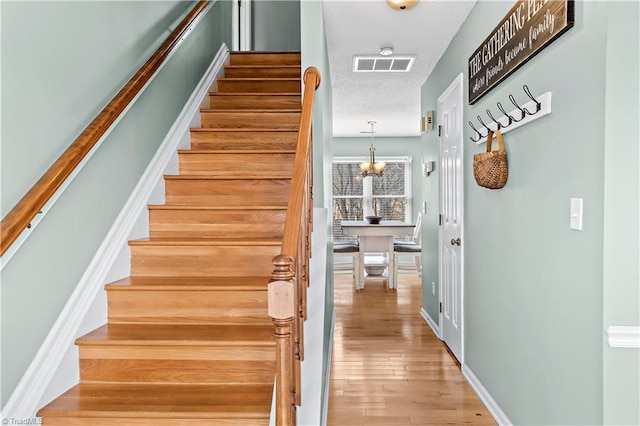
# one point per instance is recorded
(484, 125)
(499, 124)
(509, 117)
(524, 113)
(538, 104)
(477, 131)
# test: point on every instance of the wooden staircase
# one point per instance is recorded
(188, 339)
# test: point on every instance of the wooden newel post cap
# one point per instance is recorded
(282, 268)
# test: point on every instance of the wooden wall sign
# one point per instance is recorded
(527, 28)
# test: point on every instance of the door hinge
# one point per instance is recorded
(440, 307)
(439, 130)
(439, 220)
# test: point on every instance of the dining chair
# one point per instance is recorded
(411, 247)
(353, 250)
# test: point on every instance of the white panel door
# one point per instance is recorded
(450, 105)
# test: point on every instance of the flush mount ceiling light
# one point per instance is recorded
(402, 4)
(386, 51)
(372, 168)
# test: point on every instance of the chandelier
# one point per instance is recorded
(372, 168)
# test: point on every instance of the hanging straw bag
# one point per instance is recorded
(490, 168)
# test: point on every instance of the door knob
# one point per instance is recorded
(455, 242)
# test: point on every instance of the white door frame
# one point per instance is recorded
(458, 81)
(241, 25)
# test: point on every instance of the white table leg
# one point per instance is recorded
(361, 268)
(391, 261)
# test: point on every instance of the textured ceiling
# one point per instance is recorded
(392, 99)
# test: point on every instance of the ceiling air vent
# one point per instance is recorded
(380, 64)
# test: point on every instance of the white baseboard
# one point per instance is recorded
(327, 377)
(25, 399)
(623, 336)
(498, 415)
(431, 322)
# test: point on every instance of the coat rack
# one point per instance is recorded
(536, 108)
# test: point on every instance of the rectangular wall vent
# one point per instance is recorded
(383, 64)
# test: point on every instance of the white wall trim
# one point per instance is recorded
(623, 336)
(24, 401)
(498, 415)
(245, 25)
(327, 377)
(431, 322)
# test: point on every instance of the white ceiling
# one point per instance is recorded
(362, 27)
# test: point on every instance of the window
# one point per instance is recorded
(355, 197)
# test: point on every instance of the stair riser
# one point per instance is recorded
(251, 72)
(214, 223)
(231, 192)
(188, 307)
(250, 120)
(224, 164)
(265, 59)
(176, 371)
(253, 102)
(258, 86)
(141, 421)
(192, 261)
(229, 353)
(244, 140)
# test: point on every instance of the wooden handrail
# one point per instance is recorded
(295, 206)
(19, 218)
(287, 292)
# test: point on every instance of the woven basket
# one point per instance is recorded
(490, 168)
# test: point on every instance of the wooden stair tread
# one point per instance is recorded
(248, 130)
(180, 334)
(216, 208)
(235, 151)
(266, 94)
(248, 111)
(259, 94)
(189, 283)
(206, 242)
(226, 177)
(244, 79)
(162, 401)
(265, 52)
(249, 66)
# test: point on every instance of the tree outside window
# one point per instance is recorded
(355, 197)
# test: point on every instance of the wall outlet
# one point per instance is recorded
(433, 288)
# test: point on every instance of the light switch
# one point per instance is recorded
(576, 214)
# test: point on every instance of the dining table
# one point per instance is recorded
(377, 238)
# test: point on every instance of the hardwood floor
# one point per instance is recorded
(388, 367)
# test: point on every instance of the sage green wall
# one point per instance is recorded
(621, 372)
(61, 62)
(276, 25)
(314, 53)
(533, 287)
